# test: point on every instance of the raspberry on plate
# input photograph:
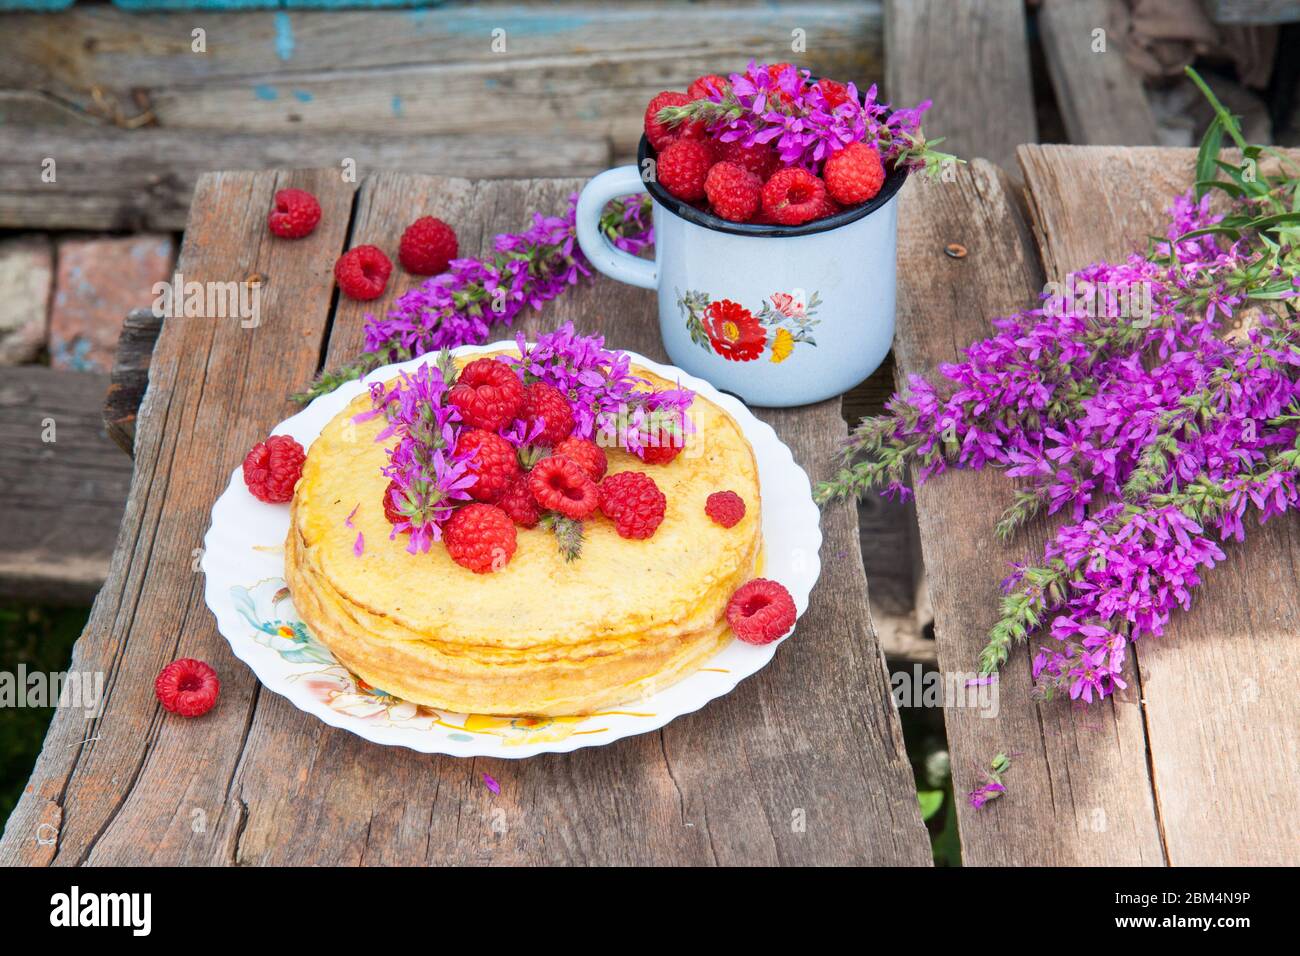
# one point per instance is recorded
(362, 273)
(272, 468)
(793, 196)
(587, 454)
(560, 484)
(492, 459)
(734, 192)
(761, 611)
(480, 537)
(427, 246)
(854, 174)
(660, 134)
(518, 502)
(725, 508)
(187, 687)
(488, 394)
(633, 501)
(682, 167)
(393, 498)
(295, 215)
(546, 403)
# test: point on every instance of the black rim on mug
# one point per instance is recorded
(893, 183)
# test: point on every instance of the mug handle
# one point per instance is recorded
(600, 252)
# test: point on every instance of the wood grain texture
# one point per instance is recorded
(578, 68)
(1079, 788)
(1226, 762)
(62, 485)
(130, 376)
(143, 179)
(972, 58)
(1100, 96)
(128, 785)
(813, 736)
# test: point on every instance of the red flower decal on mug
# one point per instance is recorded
(733, 331)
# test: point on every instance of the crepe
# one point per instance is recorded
(541, 636)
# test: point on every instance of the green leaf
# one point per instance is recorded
(931, 802)
(1206, 156)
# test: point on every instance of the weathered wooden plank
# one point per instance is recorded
(130, 376)
(1226, 763)
(1080, 792)
(143, 179)
(62, 485)
(572, 68)
(719, 786)
(134, 785)
(972, 58)
(1100, 96)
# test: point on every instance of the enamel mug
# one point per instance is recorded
(776, 315)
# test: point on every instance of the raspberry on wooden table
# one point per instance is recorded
(427, 246)
(480, 537)
(295, 214)
(488, 393)
(272, 468)
(761, 611)
(187, 687)
(362, 273)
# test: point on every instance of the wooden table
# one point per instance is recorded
(803, 763)
(1197, 762)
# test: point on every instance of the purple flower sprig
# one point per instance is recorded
(992, 788)
(428, 476)
(805, 124)
(463, 305)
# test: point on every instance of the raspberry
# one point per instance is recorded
(836, 93)
(829, 207)
(734, 192)
(187, 687)
(480, 537)
(793, 196)
(725, 508)
(705, 87)
(854, 174)
(272, 468)
(362, 273)
(660, 134)
(488, 393)
(660, 454)
(392, 509)
(587, 454)
(761, 611)
(493, 461)
(547, 403)
(518, 502)
(427, 245)
(682, 167)
(633, 501)
(760, 159)
(295, 214)
(560, 484)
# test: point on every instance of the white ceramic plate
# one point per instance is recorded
(243, 560)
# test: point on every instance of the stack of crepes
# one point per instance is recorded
(541, 636)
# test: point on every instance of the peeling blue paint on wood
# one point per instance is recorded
(264, 92)
(283, 36)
